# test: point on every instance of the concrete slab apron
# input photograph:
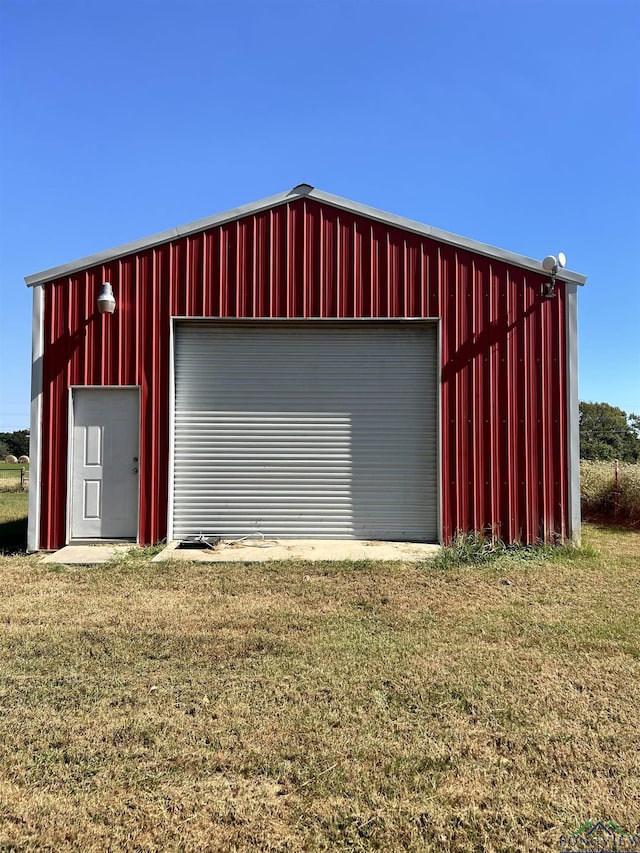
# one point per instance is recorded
(300, 549)
(86, 555)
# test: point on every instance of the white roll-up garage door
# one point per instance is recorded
(306, 430)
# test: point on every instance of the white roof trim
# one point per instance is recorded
(282, 198)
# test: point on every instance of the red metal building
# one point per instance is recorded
(305, 366)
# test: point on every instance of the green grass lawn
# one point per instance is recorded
(13, 467)
(311, 707)
(11, 480)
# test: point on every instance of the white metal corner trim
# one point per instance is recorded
(439, 433)
(573, 414)
(35, 425)
(70, 425)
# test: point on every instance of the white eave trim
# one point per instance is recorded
(302, 190)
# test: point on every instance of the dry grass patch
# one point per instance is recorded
(597, 487)
(297, 707)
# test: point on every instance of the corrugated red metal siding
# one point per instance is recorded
(503, 351)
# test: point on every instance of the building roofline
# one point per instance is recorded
(300, 191)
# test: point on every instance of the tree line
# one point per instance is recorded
(14, 443)
(607, 432)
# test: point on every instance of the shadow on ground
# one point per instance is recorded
(13, 536)
(610, 522)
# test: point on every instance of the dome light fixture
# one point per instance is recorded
(106, 299)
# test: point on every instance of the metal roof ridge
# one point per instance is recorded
(300, 191)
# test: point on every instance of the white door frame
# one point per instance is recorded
(70, 422)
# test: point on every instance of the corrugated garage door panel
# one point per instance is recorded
(314, 430)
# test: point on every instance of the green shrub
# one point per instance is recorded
(466, 549)
(472, 549)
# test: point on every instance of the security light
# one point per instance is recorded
(551, 264)
(106, 300)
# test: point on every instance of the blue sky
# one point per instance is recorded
(515, 123)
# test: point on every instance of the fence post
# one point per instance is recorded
(616, 488)
(22, 479)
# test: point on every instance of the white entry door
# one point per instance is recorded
(104, 463)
